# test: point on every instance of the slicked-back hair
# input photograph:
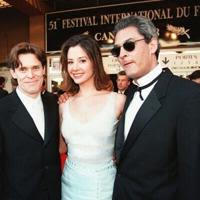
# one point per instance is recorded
(25, 48)
(91, 48)
(144, 26)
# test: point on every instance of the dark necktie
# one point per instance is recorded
(139, 89)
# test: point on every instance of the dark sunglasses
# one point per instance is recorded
(128, 46)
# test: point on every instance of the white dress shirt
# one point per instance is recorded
(121, 92)
(136, 102)
(35, 108)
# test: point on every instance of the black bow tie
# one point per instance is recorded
(139, 89)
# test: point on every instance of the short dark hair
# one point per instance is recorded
(91, 47)
(194, 75)
(144, 26)
(25, 48)
(123, 73)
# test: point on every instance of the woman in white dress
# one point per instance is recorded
(88, 122)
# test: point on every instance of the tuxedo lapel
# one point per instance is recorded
(23, 120)
(129, 97)
(146, 112)
(149, 108)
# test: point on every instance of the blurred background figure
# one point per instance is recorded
(123, 82)
(14, 83)
(44, 85)
(3, 92)
(56, 89)
(195, 76)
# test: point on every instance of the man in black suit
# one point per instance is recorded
(29, 132)
(3, 92)
(158, 137)
(123, 82)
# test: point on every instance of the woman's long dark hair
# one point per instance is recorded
(90, 46)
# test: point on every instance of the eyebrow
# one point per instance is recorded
(30, 66)
(78, 58)
(126, 41)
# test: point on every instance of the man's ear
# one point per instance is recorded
(13, 73)
(153, 45)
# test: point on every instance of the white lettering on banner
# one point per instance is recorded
(79, 22)
(104, 36)
(182, 12)
(113, 18)
(197, 10)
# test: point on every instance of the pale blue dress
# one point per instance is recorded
(89, 171)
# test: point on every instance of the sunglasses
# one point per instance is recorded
(128, 46)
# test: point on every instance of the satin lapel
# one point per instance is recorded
(23, 120)
(146, 112)
(129, 97)
(149, 108)
(128, 101)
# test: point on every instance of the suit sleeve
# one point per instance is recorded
(188, 147)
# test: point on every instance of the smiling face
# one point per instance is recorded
(79, 66)
(29, 75)
(142, 59)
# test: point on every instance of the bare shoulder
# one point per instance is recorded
(63, 104)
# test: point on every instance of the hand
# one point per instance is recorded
(63, 97)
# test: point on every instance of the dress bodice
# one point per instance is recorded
(92, 141)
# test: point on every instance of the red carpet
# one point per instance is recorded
(62, 159)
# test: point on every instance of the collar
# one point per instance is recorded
(26, 99)
(149, 76)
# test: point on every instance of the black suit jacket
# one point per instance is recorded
(160, 159)
(126, 91)
(29, 165)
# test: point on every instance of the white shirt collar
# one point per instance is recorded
(34, 107)
(26, 99)
(149, 76)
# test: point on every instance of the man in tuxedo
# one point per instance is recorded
(158, 137)
(3, 92)
(123, 82)
(29, 132)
